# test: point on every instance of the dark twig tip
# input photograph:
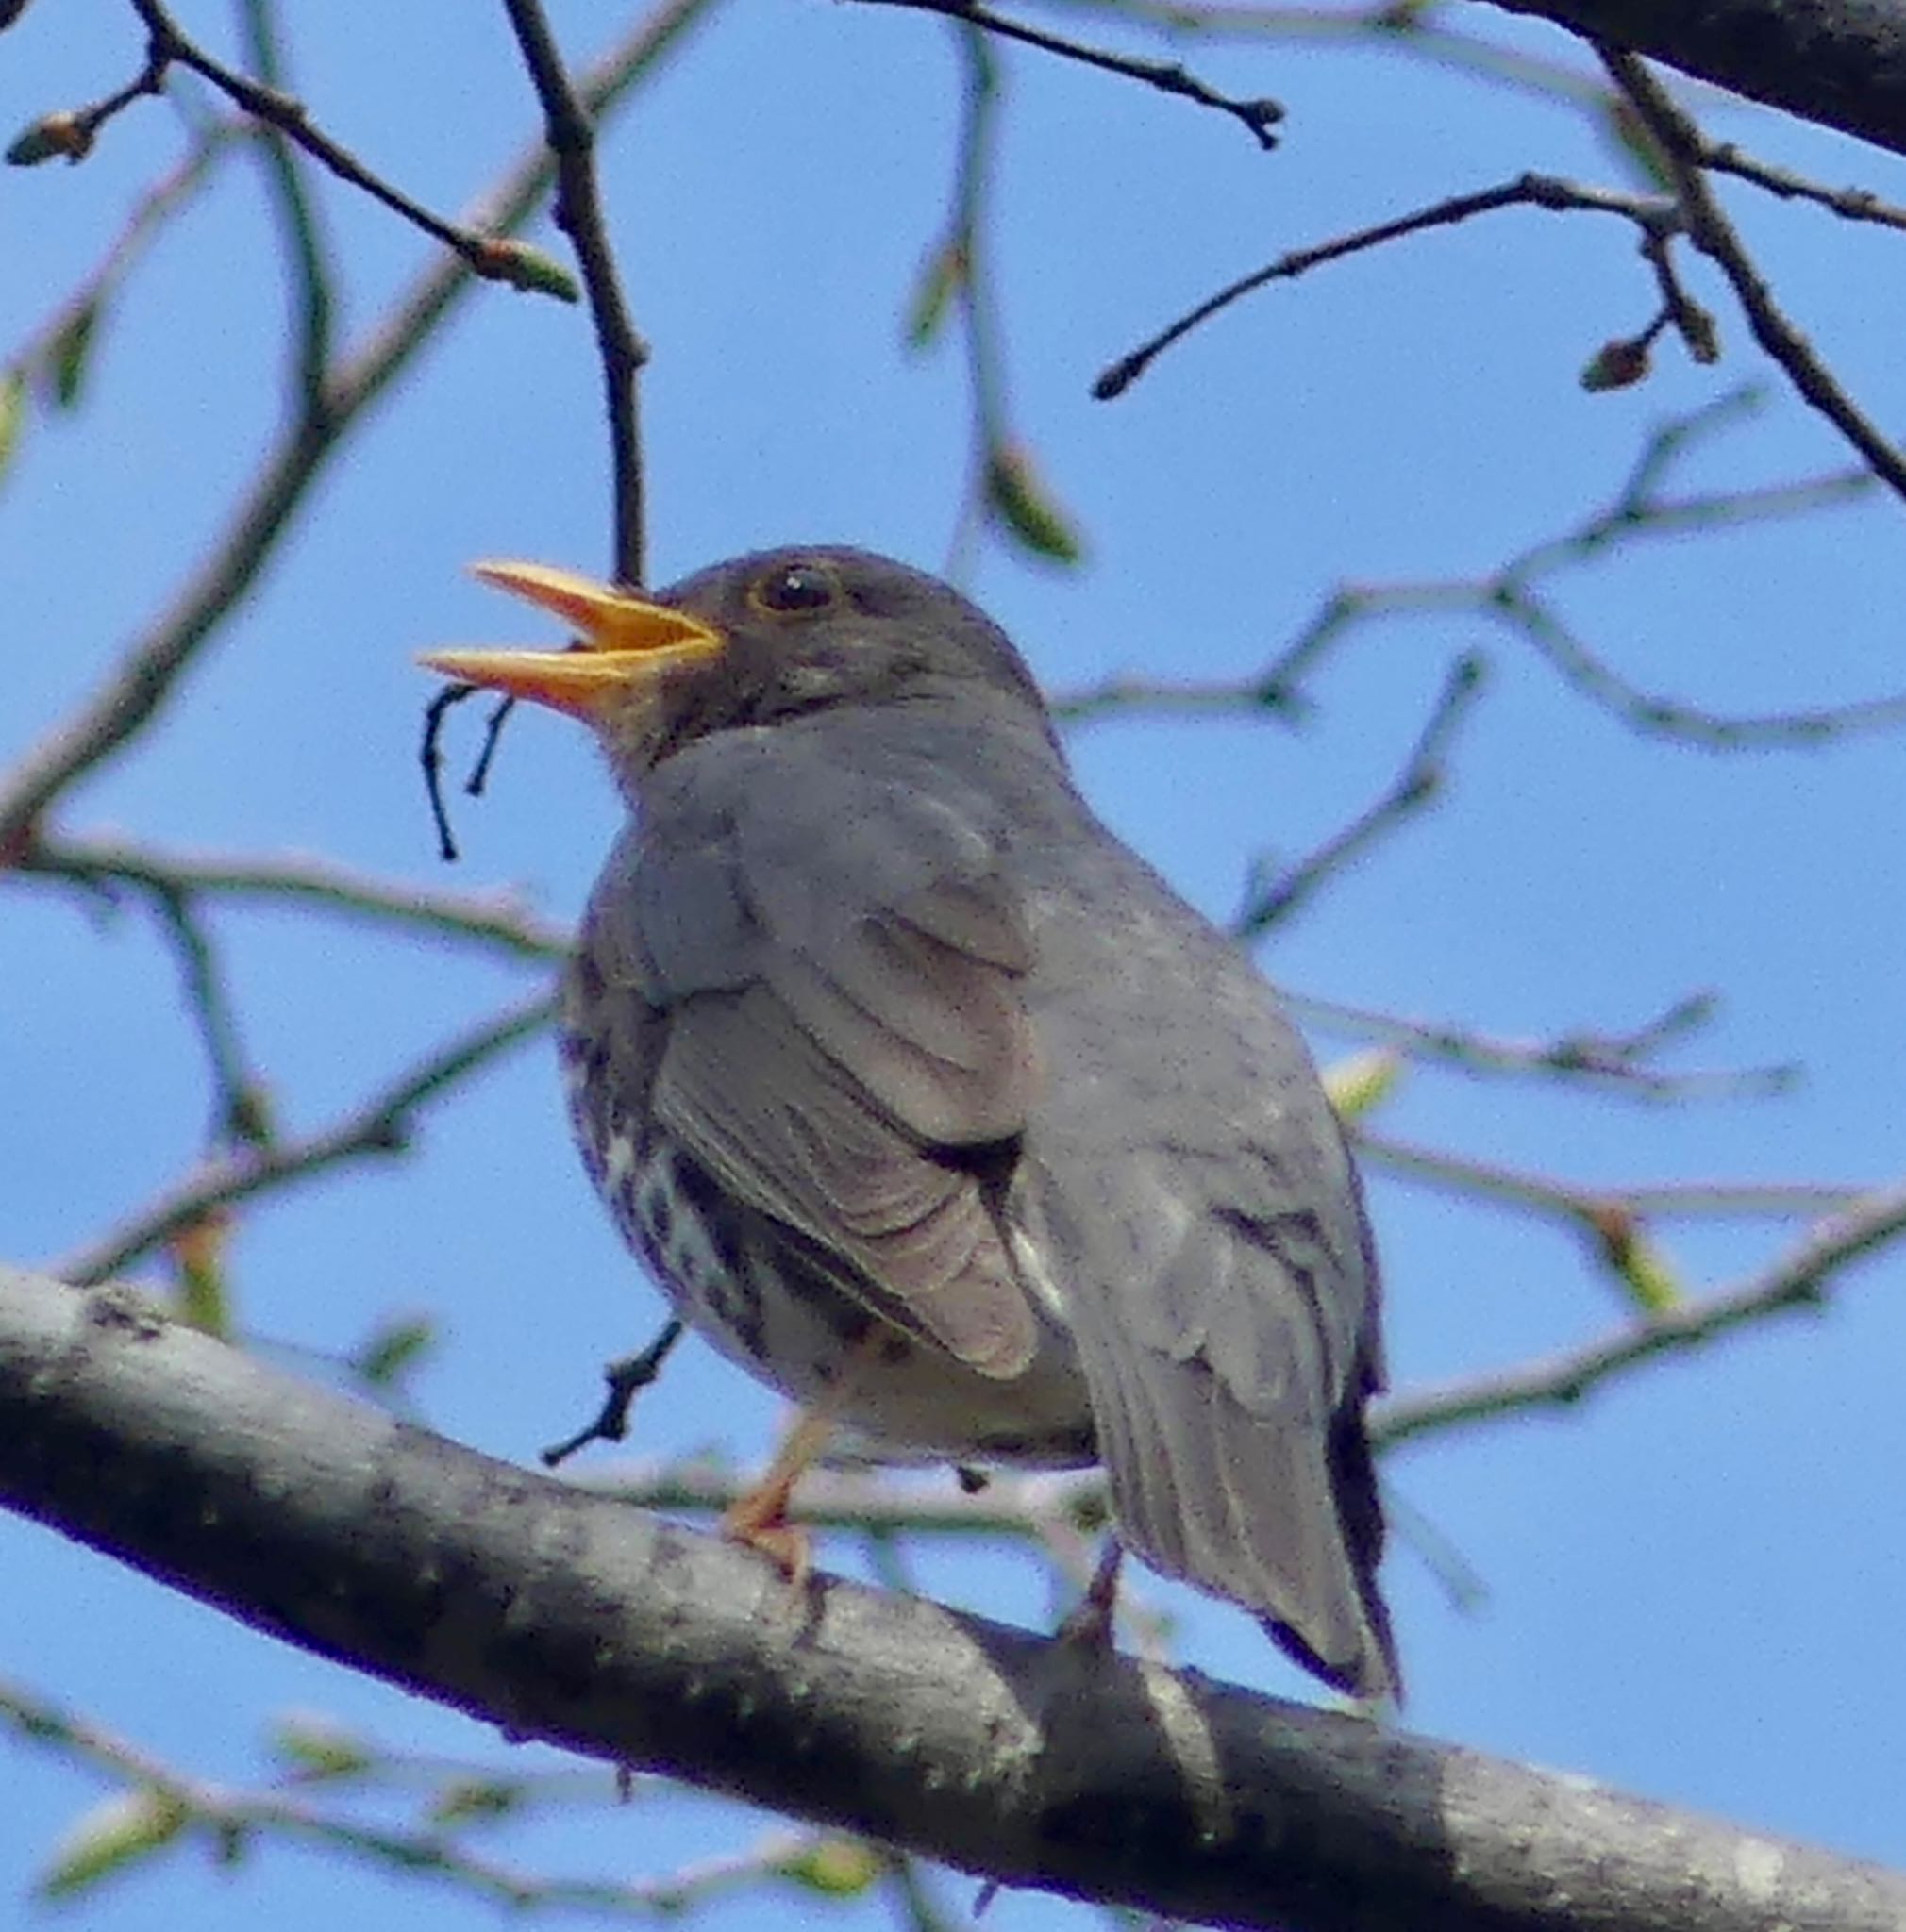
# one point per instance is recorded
(492, 732)
(1119, 377)
(430, 756)
(625, 1380)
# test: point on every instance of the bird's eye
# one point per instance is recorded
(790, 588)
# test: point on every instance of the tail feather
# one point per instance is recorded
(1269, 1512)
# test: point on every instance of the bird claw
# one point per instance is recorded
(760, 1521)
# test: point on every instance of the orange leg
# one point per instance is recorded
(759, 1517)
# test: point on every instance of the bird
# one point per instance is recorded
(931, 1104)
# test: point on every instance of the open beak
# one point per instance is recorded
(623, 642)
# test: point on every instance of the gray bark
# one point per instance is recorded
(1840, 62)
(562, 1615)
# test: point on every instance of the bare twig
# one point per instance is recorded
(382, 1125)
(487, 919)
(1417, 33)
(430, 756)
(1592, 1207)
(145, 677)
(1849, 203)
(579, 215)
(626, 1379)
(1038, 1503)
(1798, 1281)
(956, 277)
(311, 273)
(238, 1111)
(481, 254)
(1416, 786)
(1651, 215)
(224, 1818)
(1259, 117)
(1710, 231)
(173, 191)
(1508, 597)
(1617, 1060)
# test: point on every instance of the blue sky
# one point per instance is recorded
(1692, 1581)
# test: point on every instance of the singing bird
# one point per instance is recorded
(931, 1105)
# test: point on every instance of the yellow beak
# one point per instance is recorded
(621, 640)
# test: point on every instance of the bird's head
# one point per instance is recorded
(750, 641)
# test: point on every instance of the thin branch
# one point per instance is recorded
(312, 274)
(148, 673)
(1506, 596)
(239, 1105)
(480, 253)
(910, 1892)
(1710, 231)
(579, 215)
(430, 757)
(382, 1125)
(1849, 203)
(71, 132)
(1125, 696)
(487, 919)
(224, 1819)
(957, 277)
(166, 197)
(1651, 215)
(1416, 786)
(626, 1379)
(1798, 1281)
(1616, 1061)
(962, 264)
(1419, 33)
(1043, 1506)
(1257, 117)
(1595, 1207)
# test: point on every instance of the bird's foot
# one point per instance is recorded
(759, 1516)
(760, 1520)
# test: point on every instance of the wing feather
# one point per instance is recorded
(837, 962)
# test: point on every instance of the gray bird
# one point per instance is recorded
(931, 1105)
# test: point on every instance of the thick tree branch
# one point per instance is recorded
(563, 1616)
(1840, 62)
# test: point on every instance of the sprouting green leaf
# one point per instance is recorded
(318, 1749)
(503, 258)
(387, 1354)
(943, 275)
(12, 414)
(111, 1837)
(1020, 500)
(1639, 1264)
(1363, 1081)
(836, 1867)
(199, 1251)
(66, 356)
(466, 1799)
